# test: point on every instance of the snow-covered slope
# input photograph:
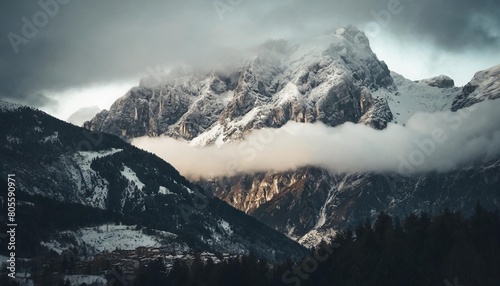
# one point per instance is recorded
(109, 237)
(86, 280)
(80, 178)
(411, 98)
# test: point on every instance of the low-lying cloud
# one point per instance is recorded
(429, 142)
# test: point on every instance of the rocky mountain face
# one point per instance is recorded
(329, 80)
(333, 79)
(484, 85)
(309, 204)
(68, 177)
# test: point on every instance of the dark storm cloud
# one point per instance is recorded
(454, 25)
(92, 42)
(98, 42)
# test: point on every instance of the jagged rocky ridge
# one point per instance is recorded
(67, 177)
(309, 204)
(328, 80)
(484, 85)
(333, 79)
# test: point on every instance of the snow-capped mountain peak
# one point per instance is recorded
(327, 79)
(331, 79)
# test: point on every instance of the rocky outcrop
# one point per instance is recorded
(378, 115)
(483, 86)
(183, 108)
(328, 80)
(310, 203)
(441, 81)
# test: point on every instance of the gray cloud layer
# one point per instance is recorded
(88, 42)
(438, 142)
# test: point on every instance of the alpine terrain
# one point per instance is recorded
(332, 79)
(89, 193)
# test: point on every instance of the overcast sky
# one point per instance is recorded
(90, 52)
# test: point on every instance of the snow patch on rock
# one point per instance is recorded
(411, 98)
(131, 176)
(107, 238)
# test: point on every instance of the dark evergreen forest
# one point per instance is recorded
(418, 250)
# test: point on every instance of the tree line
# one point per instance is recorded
(418, 250)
